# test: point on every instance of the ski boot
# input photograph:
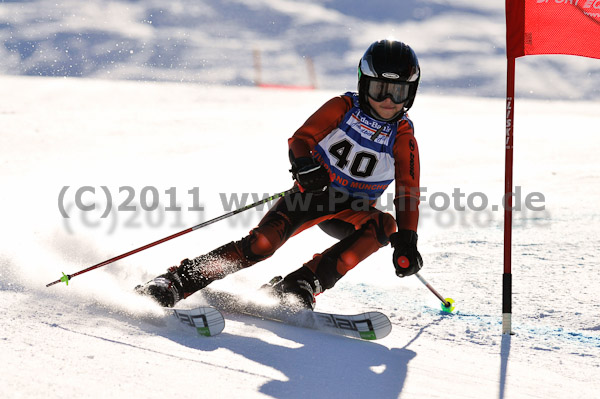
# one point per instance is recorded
(301, 285)
(165, 289)
(177, 283)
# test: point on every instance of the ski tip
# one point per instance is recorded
(448, 305)
(380, 326)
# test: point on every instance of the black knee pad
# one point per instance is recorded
(337, 228)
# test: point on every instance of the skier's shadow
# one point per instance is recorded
(324, 365)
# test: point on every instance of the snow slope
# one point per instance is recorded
(460, 43)
(95, 338)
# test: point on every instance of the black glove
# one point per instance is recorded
(407, 259)
(311, 176)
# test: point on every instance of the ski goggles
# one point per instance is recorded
(379, 90)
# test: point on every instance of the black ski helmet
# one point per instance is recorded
(388, 61)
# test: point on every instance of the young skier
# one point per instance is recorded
(343, 158)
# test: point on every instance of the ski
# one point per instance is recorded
(367, 326)
(207, 320)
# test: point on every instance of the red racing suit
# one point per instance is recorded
(363, 156)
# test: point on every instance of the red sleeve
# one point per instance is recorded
(319, 125)
(407, 176)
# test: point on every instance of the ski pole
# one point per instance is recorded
(447, 303)
(66, 277)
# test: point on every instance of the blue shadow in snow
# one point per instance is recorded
(324, 365)
(504, 354)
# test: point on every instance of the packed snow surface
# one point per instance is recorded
(68, 145)
(460, 43)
